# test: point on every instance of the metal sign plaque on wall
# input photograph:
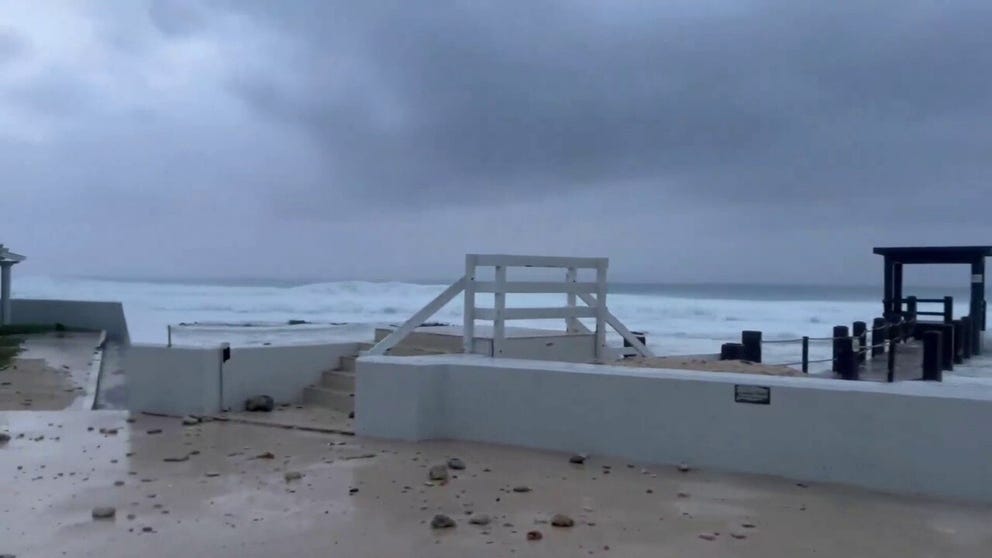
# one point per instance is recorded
(755, 395)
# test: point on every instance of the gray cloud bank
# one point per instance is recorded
(688, 140)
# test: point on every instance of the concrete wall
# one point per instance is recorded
(85, 314)
(908, 437)
(173, 380)
(182, 380)
(279, 371)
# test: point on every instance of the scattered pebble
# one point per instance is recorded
(293, 475)
(190, 421)
(578, 458)
(521, 489)
(212, 474)
(266, 455)
(104, 512)
(438, 473)
(738, 536)
(707, 536)
(176, 459)
(456, 464)
(684, 467)
(534, 535)
(150, 431)
(119, 483)
(4, 437)
(480, 519)
(748, 525)
(562, 520)
(442, 521)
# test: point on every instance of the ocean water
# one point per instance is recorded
(678, 319)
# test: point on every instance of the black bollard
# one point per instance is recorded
(967, 338)
(877, 337)
(948, 309)
(932, 356)
(805, 355)
(911, 306)
(860, 332)
(846, 359)
(891, 376)
(958, 341)
(752, 345)
(946, 346)
(731, 351)
(840, 332)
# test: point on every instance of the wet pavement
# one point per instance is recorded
(221, 489)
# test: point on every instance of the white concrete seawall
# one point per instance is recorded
(908, 437)
(181, 380)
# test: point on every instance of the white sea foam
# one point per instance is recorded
(673, 324)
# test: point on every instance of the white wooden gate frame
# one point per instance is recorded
(592, 294)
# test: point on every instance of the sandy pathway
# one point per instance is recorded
(371, 498)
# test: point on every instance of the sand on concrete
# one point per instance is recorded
(367, 498)
(708, 364)
(50, 373)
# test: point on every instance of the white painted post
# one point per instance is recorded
(499, 323)
(571, 325)
(468, 323)
(601, 311)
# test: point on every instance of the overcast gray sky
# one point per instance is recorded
(687, 140)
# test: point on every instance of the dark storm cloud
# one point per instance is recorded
(773, 102)
(723, 141)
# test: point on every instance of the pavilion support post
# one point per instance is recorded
(887, 289)
(5, 317)
(977, 306)
(897, 288)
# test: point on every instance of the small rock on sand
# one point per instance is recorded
(292, 476)
(707, 536)
(442, 521)
(521, 489)
(265, 455)
(562, 520)
(578, 458)
(176, 459)
(260, 403)
(438, 473)
(684, 468)
(4, 437)
(534, 535)
(738, 535)
(104, 512)
(480, 519)
(212, 474)
(149, 431)
(456, 464)
(190, 420)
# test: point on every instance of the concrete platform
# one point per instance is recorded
(367, 498)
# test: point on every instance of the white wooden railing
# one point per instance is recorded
(591, 293)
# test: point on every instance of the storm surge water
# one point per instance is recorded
(678, 319)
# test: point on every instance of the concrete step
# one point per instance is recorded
(338, 379)
(338, 400)
(347, 363)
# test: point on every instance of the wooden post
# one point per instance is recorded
(860, 332)
(932, 355)
(911, 308)
(601, 312)
(499, 308)
(966, 337)
(891, 377)
(877, 337)
(946, 346)
(640, 335)
(840, 332)
(897, 288)
(468, 314)
(846, 359)
(948, 309)
(958, 341)
(752, 345)
(571, 323)
(887, 305)
(805, 355)
(977, 305)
